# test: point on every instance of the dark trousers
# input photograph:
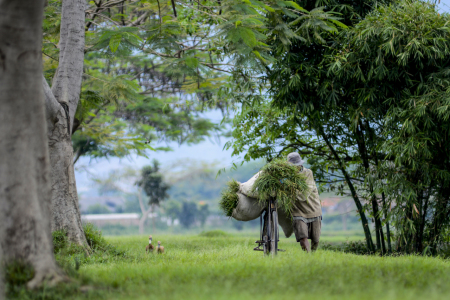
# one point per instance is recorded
(308, 230)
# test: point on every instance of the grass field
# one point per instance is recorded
(196, 267)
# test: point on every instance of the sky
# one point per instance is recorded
(209, 151)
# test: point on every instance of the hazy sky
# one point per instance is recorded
(208, 150)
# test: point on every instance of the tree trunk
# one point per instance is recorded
(24, 160)
(355, 197)
(62, 101)
(2, 290)
(144, 212)
(377, 220)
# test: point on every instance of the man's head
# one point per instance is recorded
(295, 159)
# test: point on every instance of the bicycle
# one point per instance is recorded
(269, 234)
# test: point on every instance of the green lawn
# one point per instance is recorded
(196, 267)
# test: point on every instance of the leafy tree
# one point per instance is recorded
(97, 209)
(396, 62)
(296, 114)
(368, 108)
(153, 184)
(188, 214)
(203, 213)
(172, 209)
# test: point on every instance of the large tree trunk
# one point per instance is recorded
(2, 290)
(62, 101)
(24, 160)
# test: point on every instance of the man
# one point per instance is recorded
(307, 210)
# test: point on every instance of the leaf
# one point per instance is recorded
(294, 5)
(191, 62)
(342, 25)
(415, 208)
(114, 42)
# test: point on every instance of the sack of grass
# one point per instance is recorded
(237, 205)
(282, 181)
(285, 222)
(246, 188)
(247, 209)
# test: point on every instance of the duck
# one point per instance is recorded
(160, 249)
(149, 247)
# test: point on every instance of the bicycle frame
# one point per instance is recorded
(269, 231)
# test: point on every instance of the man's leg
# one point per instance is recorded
(315, 230)
(305, 244)
(301, 234)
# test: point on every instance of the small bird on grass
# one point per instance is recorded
(160, 249)
(149, 247)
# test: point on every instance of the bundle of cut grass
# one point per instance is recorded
(229, 200)
(281, 180)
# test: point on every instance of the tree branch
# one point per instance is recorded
(67, 80)
(52, 106)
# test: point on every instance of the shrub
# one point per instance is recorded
(59, 240)
(354, 247)
(213, 233)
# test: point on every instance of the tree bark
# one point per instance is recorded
(24, 160)
(2, 289)
(144, 211)
(61, 103)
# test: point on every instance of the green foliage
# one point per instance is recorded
(213, 234)
(18, 273)
(172, 209)
(73, 256)
(229, 198)
(203, 213)
(97, 209)
(395, 65)
(282, 181)
(353, 247)
(94, 238)
(180, 54)
(60, 240)
(188, 214)
(351, 105)
(153, 184)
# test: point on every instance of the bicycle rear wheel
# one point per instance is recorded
(274, 233)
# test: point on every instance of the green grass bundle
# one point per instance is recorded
(229, 200)
(281, 180)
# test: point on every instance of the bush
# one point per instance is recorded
(72, 255)
(59, 240)
(213, 233)
(354, 247)
(229, 200)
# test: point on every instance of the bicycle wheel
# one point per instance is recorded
(266, 245)
(274, 233)
(265, 234)
(269, 232)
